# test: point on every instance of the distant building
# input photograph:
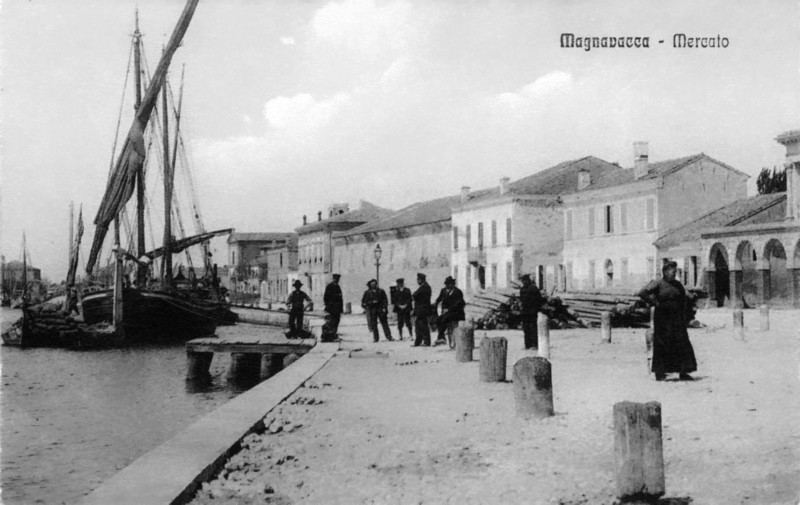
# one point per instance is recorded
(413, 239)
(244, 249)
(315, 253)
(612, 222)
(12, 273)
(516, 228)
(279, 264)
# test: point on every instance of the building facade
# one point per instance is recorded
(516, 228)
(315, 254)
(611, 224)
(245, 272)
(279, 269)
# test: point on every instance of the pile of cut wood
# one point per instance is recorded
(626, 310)
(501, 310)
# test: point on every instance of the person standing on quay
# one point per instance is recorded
(334, 306)
(296, 303)
(531, 301)
(672, 350)
(403, 305)
(376, 305)
(452, 300)
(422, 311)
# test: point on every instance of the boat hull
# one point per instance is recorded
(155, 316)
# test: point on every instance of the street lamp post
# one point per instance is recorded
(377, 252)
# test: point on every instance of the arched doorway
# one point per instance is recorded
(776, 281)
(719, 282)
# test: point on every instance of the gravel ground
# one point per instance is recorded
(387, 423)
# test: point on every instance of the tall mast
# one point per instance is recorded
(71, 230)
(167, 192)
(141, 271)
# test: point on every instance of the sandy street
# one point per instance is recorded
(387, 423)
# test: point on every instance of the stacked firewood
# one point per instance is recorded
(625, 310)
(502, 310)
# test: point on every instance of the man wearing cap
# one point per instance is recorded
(334, 306)
(530, 301)
(296, 303)
(403, 306)
(452, 300)
(422, 311)
(376, 305)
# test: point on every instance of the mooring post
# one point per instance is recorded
(738, 324)
(244, 366)
(533, 387)
(543, 328)
(605, 327)
(198, 365)
(465, 343)
(764, 312)
(348, 308)
(638, 451)
(493, 359)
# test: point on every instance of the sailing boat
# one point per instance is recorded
(149, 309)
(18, 333)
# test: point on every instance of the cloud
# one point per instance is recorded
(303, 111)
(550, 86)
(363, 28)
(287, 41)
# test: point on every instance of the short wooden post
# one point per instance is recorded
(543, 327)
(533, 388)
(465, 343)
(764, 312)
(244, 366)
(493, 359)
(198, 365)
(348, 308)
(738, 324)
(638, 451)
(605, 327)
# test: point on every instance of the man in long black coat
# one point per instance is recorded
(334, 306)
(403, 305)
(376, 305)
(452, 300)
(531, 301)
(422, 311)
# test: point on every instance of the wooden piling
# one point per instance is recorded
(605, 327)
(244, 366)
(493, 359)
(348, 308)
(533, 388)
(638, 451)
(465, 343)
(270, 365)
(543, 328)
(198, 365)
(764, 313)
(738, 324)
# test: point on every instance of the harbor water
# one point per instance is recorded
(72, 419)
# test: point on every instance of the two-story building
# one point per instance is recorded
(315, 247)
(611, 223)
(278, 266)
(244, 271)
(415, 239)
(516, 228)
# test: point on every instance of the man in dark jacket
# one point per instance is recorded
(403, 305)
(530, 301)
(452, 300)
(376, 305)
(296, 303)
(422, 311)
(334, 306)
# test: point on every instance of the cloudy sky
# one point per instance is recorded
(292, 106)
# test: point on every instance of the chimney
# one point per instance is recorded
(584, 179)
(504, 185)
(319, 215)
(305, 220)
(640, 152)
(464, 194)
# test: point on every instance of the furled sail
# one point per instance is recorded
(121, 184)
(180, 245)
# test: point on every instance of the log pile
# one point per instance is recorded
(501, 309)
